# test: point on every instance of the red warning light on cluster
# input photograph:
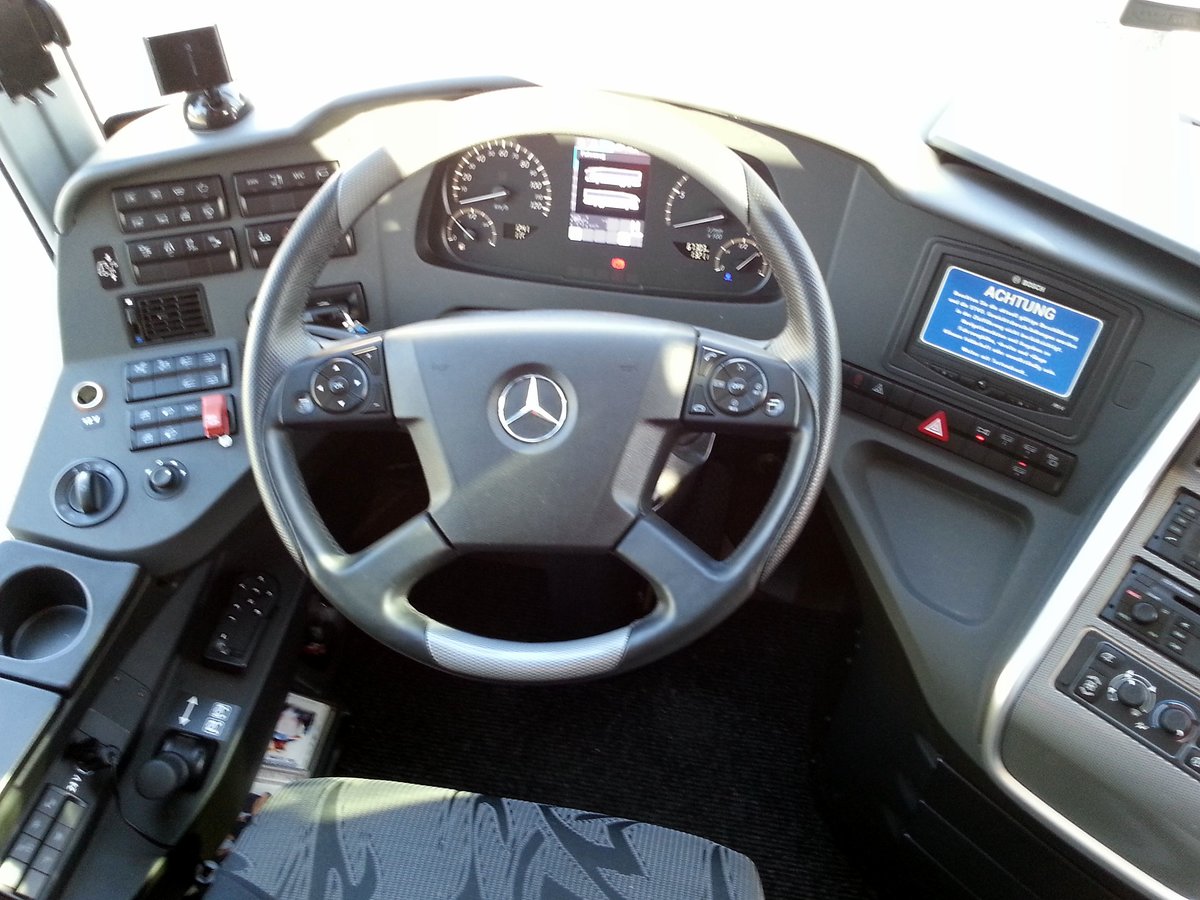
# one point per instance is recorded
(617, 263)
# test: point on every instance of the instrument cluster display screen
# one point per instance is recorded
(1012, 329)
(608, 193)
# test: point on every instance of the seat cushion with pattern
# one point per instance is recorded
(353, 839)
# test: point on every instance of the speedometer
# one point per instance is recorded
(502, 178)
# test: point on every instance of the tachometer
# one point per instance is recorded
(504, 179)
(693, 212)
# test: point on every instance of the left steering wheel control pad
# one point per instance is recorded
(345, 387)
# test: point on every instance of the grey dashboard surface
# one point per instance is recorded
(1132, 800)
(961, 557)
(26, 711)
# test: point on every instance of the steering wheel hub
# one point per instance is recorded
(532, 408)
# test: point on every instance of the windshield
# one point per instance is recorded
(888, 58)
(1046, 83)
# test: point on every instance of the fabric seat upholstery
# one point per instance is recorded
(353, 839)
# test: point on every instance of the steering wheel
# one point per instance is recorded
(541, 429)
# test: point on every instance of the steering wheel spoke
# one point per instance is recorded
(693, 590)
(391, 566)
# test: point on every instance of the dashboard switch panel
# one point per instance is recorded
(195, 254)
(982, 441)
(1160, 612)
(183, 373)
(175, 204)
(283, 189)
(161, 425)
(1177, 537)
(1135, 698)
(264, 239)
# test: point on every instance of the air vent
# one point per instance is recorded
(166, 316)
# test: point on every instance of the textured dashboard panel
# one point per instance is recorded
(1117, 790)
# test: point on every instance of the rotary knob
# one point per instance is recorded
(165, 479)
(1175, 718)
(88, 492)
(1144, 613)
(1133, 691)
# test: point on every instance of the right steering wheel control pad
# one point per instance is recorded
(734, 389)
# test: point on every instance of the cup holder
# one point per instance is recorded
(42, 612)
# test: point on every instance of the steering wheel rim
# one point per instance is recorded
(694, 592)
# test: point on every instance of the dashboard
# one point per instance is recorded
(1018, 403)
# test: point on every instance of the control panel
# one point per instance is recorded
(730, 387)
(1177, 537)
(350, 388)
(36, 858)
(264, 239)
(284, 189)
(242, 622)
(1135, 698)
(1001, 449)
(191, 201)
(1160, 612)
(182, 373)
(194, 254)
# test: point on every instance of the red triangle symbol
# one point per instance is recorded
(935, 427)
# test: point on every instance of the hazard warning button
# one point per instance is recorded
(936, 427)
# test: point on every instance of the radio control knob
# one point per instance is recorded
(1144, 613)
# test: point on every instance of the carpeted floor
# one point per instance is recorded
(716, 739)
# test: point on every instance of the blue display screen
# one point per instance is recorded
(1027, 337)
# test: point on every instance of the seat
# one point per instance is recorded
(354, 839)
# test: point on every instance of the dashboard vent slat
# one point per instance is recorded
(167, 316)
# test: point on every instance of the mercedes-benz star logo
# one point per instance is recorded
(532, 408)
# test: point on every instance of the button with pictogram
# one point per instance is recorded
(339, 385)
(935, 427)
(737, 387)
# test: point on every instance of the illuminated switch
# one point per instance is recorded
(936, 427)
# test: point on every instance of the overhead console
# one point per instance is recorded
(1031, 343)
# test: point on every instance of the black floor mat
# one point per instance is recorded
(716, 739)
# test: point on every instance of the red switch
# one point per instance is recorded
(214, 414)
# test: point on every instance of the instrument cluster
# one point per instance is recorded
(579, 210)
